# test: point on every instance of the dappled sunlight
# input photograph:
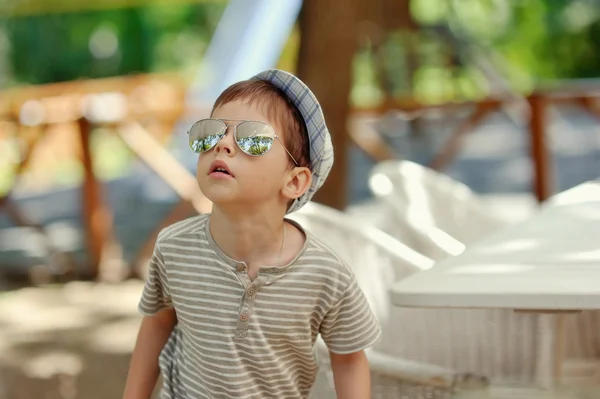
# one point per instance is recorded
(492, 269)
(60, 339)
(418, 204)
(381, 184)
(75, 306)
(49, 364)
(445, 241)
(592, 256)
(114, 337)
(121, 299)
(26, 317)
(576, 195)
(509, 246)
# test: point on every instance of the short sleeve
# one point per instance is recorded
(156, 295)
(350, 325)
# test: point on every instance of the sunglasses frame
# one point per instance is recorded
(235, 126)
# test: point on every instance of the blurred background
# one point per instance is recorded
(501, 96)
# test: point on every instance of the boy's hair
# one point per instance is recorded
(277, 108)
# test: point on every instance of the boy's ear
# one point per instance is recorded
(298, 181)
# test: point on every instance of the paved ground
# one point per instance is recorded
(67, 342)
(74, 342)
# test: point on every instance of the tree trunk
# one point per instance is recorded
(328, 44)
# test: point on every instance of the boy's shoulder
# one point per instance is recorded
(330, 263)
(191, 225)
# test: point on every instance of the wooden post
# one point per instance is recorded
(539, 150)
(327, 48)
(97, 218)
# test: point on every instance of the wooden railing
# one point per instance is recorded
(585, 95)
(125, 105)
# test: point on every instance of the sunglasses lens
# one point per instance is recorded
(205, 134)
(255, 138)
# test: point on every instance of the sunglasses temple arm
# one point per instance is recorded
(286, 150)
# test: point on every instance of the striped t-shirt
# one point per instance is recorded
(237, 338)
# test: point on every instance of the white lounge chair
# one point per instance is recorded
(431, 212)
(377, 260)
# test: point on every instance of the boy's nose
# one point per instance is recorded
(226, 143)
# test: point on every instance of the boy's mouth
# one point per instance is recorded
(219, 168)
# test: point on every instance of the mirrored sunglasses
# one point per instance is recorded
(252, 137)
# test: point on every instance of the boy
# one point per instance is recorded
(235, 299)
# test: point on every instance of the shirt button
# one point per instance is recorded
(251, 291)
(244, 316)
(241, 268)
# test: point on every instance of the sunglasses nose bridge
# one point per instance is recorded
(227, 141)
(231, 128)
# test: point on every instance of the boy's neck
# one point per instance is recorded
(254, 237)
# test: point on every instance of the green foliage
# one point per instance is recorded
(527, 41)
(539, 39)
(531, 40)
(95, 44)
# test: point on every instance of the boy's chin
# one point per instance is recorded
(223, 198)
(237, 204)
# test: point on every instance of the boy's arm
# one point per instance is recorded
(143, 368)
(351, 375)
(158, 323)
(348, 328)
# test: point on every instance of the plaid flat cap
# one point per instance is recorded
(321, 149)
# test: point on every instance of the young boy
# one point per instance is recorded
(235, 299)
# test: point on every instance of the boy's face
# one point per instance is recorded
(252, 179)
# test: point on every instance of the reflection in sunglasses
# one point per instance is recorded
(205, 144)
(255, 145)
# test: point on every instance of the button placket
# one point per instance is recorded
(247, 304)
(264, 278)
(246, 310)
